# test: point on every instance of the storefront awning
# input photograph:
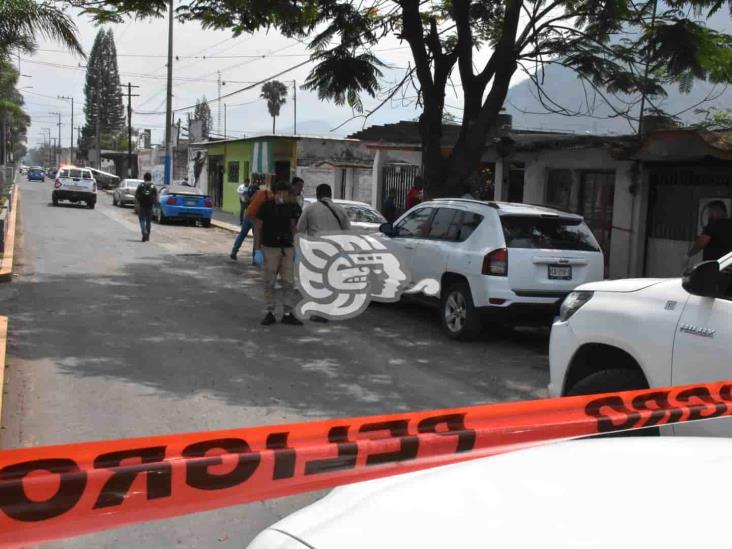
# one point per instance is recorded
(262, 162)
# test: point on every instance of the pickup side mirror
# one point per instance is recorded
(702, 279)
(387, 229)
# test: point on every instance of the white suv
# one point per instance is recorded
(495, 260)
(634, 334)
(75, 185)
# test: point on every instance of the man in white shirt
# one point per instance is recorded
(243, 192)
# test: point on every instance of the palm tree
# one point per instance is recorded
(275, 92)
(23, 21)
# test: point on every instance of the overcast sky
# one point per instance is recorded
(142, 48)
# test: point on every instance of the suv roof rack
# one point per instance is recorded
(489, 203)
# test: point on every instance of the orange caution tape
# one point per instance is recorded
(61, 491)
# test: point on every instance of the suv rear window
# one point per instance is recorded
(548, 233)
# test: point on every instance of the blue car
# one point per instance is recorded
(180, 202)
(36, 174)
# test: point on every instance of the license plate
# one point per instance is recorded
(560, 272)
(190, 202)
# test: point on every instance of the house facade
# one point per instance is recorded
(644, 199)
(344, 164)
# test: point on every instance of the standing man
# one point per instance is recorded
(296, 191)
(323, 216)
(389, 208)
(243, 192)
(716, 238)
(415, 194)
(274, 239)
(146, 195)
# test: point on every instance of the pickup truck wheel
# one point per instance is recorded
(55, 201)
(91, 204)
(609, 381)
(460, 320)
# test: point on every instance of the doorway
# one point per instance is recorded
(597, 194)
(515, 182)
(216, 180)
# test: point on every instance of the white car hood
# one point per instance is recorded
(622, 285)
(598, 494)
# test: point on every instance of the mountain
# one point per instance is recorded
(563, 87)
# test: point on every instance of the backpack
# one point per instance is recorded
(146, 194)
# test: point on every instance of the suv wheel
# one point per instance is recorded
(459, 317)
(613, 380)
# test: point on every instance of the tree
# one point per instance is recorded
(275, 92)
(202, 112)
(615, 47)
(103, 96)
(22, 21)
(716, 119)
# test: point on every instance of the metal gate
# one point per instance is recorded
(399, 178)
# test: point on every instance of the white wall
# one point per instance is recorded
(314, 176)
(625, 219)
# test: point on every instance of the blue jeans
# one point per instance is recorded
(145, 217)
(246, 226)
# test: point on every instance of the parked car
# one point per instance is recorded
(495, 260)
(364, 219)
(557, 496)
(36, 174)
(125, 192)
(75, 185)
(635, 334)
(23, 170)
(182, 202)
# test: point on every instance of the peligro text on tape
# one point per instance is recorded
(60, 491)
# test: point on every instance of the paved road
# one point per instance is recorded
(111, 337)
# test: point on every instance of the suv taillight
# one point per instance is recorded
(94, 187)
(57, 184)
(496, 263)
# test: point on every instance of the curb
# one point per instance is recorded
(226, 226)
(6, 267)
(3, 347)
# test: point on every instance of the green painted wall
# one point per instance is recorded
(235, 152)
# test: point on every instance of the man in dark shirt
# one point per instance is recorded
(275, 237)
(716, 238)
(146, 196)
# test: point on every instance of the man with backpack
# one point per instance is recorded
(146, 196)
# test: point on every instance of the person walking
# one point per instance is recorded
(274, 239)
(256, 197)
(416, 193)
(716, 238)
(323, 215)
(296, 191)
(389, 208)
(146, 196)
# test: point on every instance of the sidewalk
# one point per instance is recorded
(224, 217)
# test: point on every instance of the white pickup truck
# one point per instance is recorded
(75, 185)
(634, 334)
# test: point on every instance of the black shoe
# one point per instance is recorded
(232, 255)
(320, 319)
(269, 319)
(290, 319)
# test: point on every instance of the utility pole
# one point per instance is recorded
(71, 143)
(58, 156)
(225, 120)
(294, 104)
(169, 102)
(218, 124)
(130, 95)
